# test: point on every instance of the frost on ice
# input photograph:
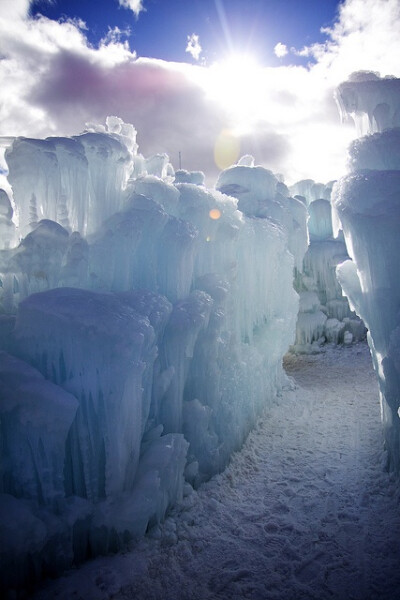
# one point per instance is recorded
(367, 203)
(143, 323)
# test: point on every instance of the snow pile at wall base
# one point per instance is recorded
(147, 318)
(367, 202)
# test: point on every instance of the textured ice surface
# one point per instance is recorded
(369, 210)
(77, 182)
(320, 220)
(97, 348)
(182, 176)
(7, 227)
(373, 102)
(260, 194)
(160, 306)
(310, 327)
(254, 187)
(36, 416)
(367, 203)
(378, 151)
(324, 313)
(310, 190)
(320, 263)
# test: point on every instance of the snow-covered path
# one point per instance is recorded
(305, 511)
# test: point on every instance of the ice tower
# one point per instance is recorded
(367, 203)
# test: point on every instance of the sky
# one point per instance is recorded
(221, 25)
(257, 76)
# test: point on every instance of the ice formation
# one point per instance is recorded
(324, 313)
(7, 227)
(310, 190)
(373, 102)
(262, 195)
(367, 203)
(147, 318)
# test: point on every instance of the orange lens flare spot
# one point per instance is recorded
(214, 214)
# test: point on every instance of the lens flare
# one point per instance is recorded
(226, 149)
(214, 214)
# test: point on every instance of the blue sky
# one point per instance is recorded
(265, 74)
(161, 30)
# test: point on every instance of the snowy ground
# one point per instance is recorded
(305, 511)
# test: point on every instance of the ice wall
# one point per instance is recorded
(151, 316)
(367, 203)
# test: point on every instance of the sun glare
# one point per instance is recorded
(236, 82)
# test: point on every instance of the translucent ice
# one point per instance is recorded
(162, 307)
(323, 320)
(373, 102)
(36, 416)
(104, 441)
(310, 327)
(77, 182)
(254, 187)
(320, 220)
(7, 226)
(367, 203)
(311, 190)
(261, 194)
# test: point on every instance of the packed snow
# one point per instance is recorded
(304, 511)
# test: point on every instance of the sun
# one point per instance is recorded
(237, 83)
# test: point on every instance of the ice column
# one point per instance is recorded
(367, 202)
(324, 313)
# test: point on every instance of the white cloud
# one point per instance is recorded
(114, 36)
(365, 37)
(136, 6)
(306, 51)
(193, 46)
(15, 8)
(280, 50)
(52, 82)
